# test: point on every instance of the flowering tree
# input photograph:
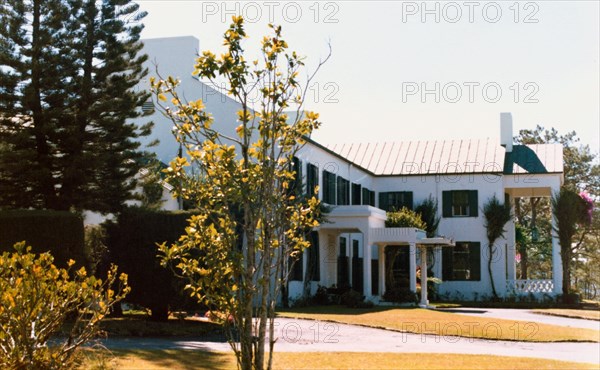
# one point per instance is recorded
(250, 219)
(36, 298)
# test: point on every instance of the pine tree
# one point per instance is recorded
(68, 72)
(32, 100)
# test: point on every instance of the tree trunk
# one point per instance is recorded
(565, 254)
(39, 121)
(490, 258)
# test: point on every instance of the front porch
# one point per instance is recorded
(358, 234)
(518, 185)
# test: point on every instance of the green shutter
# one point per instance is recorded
(408, 199)
(297, 183)
(383, 201)
(446, 203)
(331, 183)
(313, 252)
(473, 205)
(447, 263)
(329, 180)
(475, 260)
(312, 179)
(297, 269)
(356, 192)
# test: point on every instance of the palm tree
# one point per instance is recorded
(568, 209)
(428, 211)
(496, 216)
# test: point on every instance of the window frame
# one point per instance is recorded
(465, 254)
(394, 200)
(471, 206)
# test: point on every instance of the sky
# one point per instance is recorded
(404, 70)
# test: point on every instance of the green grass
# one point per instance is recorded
(422, 321)
(189, 359)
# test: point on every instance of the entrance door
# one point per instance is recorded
(397, 267)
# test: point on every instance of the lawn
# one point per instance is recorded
(188, 359)
(422, 321)
(576, 314)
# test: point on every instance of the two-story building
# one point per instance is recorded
(361, 181)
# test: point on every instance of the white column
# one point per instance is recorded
(557, 271)
(367, 268)
(413, 266)
(424, 301)
(437, 268)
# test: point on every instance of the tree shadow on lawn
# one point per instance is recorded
(178, 359)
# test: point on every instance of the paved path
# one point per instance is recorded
(296, 335)
(525, 315)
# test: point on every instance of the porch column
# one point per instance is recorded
(413, 266)
(368, 291)
(424, 301)
(557, 271)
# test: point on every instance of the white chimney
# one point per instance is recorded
(506, 131)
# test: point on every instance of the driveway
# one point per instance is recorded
(525, 315)
(294, 335)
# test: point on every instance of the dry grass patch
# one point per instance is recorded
(422, 321)
(575, 314)
(188, 359)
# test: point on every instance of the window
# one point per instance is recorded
(328, 187)
(462, 262)
(312, 179)
(395, 200)
(459, 203)
(343, 191)
(368, 197)
(356, 193)
(148, 107)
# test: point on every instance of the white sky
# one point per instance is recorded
(542, 56)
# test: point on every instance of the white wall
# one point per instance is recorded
(175, 56)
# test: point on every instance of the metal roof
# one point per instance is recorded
(534, 158)
(429, 157)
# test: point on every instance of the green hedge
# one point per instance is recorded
(60, 233)
(132, 244)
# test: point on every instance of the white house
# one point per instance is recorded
(364, 180)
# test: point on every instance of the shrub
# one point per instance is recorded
(321, 297)
(400, 295)
(351, 298)
(60, 233)
(132, 244)
(354, 299)
(405, 218)
(36, 300)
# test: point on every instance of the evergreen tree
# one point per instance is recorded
(69, 69)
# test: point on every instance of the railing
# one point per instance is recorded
(529, 286)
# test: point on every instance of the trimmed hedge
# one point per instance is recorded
(132, 244)
(59, 232)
